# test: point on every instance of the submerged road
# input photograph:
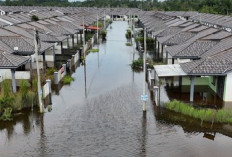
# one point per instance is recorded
(103, 117)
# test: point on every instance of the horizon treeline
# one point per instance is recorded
(223, 7)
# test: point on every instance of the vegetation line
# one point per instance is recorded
(208, 115)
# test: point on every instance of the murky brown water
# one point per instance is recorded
(103, 118)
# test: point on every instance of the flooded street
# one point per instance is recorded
(103, 116)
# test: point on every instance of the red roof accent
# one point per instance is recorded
(92, 28)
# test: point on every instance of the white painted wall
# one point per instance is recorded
(57, 48)
(6, 74)
(183, 60)
(228, 89)
(3, 73)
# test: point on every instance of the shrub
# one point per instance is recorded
(50, 71)
(128, 44)
(6, 116)
(24, 88)
(137, 64)
(103, 34)
(108, 21)
(128, 34)
(6, 88)
(100, 24)
(34, 18)
(68, 79)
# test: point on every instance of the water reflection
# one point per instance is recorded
(191, 125)
(85, 80)
(143, 139)
(43, 139)
(26, 119)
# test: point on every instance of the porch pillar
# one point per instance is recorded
(158, 50)
(192, 89)
(166, 57)
(173, 61)
(31, 70)
(73, 41)
(13, 80)
(61, 46)
(81, 37)
(44, 61)
(54, 55)
(77, 39)
(68, 43)
(162, 51)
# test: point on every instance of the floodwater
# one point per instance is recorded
(100, 115)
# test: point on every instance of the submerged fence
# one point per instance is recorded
(58, 76)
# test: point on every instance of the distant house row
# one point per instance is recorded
(59, 28)
(201, 44)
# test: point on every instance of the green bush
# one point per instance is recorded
(6, 88)
(150, 42)
(128, 34)
(68, 79)
(103, 34)
(108, 21)
(34, 18)
(7, 114)
(100, 24)
(50, 71)
(128, 44)
(137, 64)
(24, 88)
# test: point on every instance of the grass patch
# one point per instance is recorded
(128, 44)
(68, 79)
(208, 115)
(93, 50)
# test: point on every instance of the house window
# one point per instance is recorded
(214, 80)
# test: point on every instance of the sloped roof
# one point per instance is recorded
(218, 36)
(196, 49)
(218, 64)
(179, 38)
(10, 61)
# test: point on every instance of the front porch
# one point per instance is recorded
(174, 83)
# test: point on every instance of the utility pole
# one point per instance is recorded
(131, 26)
(36, 40)
(97, 28)
(104, 19)
(84, 36)
(144, 70)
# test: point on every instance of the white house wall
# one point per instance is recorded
(57, 48)
(228, 88)
(6, 74)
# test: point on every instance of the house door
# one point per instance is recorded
(220, 86)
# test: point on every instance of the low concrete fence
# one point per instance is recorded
(74, 60)
(152, 87)
(58, 76)
(47, 88)
(150, 79)
(19, 75)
